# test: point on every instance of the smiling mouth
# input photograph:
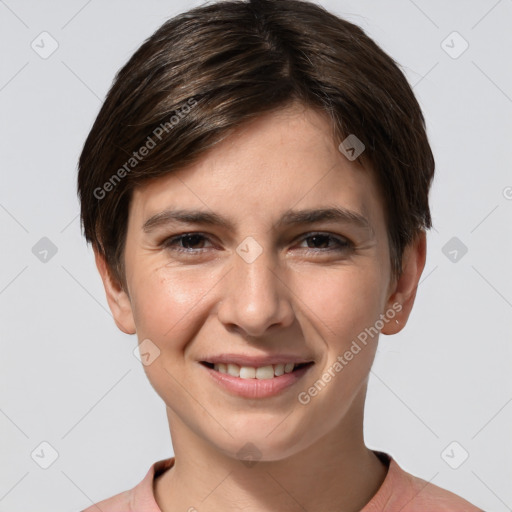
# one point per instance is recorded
(270, 371)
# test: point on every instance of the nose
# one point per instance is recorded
(255, 297)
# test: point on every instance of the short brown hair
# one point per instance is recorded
(206, 71)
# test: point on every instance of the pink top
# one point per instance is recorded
(400, 491)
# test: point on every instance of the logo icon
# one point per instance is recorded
(454, 455)
(249, 249)
(44, 455)
(454, 249)
(146, 352)
(454, 45)
(352, 147)
(44, 250)
(44, 45)
(249, 454)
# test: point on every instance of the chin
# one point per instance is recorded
(260, 444)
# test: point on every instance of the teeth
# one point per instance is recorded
(288, 367)
(234, 370)
(265, 372)
(278, 369)
(248, 372)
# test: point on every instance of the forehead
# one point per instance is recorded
(281, 160)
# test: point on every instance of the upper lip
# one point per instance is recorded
(256, 361)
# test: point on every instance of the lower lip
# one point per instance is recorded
(257, 388)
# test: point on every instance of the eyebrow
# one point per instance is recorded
(289, 218)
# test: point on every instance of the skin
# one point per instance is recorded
(304, 296)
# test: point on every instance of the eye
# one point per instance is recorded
(193, 243)
(321, 241)
(189, 242)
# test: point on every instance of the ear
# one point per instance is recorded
(404, 288)
(118, 300)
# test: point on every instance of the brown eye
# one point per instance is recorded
(188, 242)
(318, 241)
(322, 241)
(191, 241)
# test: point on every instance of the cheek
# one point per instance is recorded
(165, 304)
(341, 302)
(168, 311)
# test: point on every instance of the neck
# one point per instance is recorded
(338, 467)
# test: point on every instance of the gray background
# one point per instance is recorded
(69, 378)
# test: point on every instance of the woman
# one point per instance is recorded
(255, 188)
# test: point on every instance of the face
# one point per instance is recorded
(248, 278)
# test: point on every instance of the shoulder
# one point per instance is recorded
(119, 503)
(407, 493)
(141, 497)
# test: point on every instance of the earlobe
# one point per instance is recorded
(117, 298)
(404, 291)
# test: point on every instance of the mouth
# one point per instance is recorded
(268, 377)
(267, 372)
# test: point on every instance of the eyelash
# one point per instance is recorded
(343, 244)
